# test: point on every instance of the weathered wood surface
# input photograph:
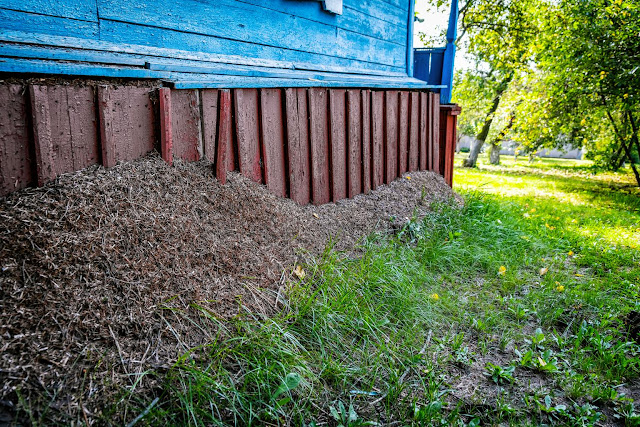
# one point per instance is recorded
(403, 133)
(424, 131)
(298, 145)
(209, 99)
(366, 141)
(338, 144)
(370, 38)
(127, 123)
(414, 131)
(377, 139)
(224, 136)
(391, 134)
(354, 137)
(434, 146)
(319, 142)
(65, 129)
(273, 148)
(186, 125)
(16, 160)
(248, 133)
(166, 132)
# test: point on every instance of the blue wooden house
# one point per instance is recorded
(319, 100)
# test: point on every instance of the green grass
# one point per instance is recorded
(509, 310)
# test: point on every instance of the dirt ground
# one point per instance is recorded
(91, 263)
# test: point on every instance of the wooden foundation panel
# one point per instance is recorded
(273, 140)
(186, 125)
(16, 159)
(354, 138)
(247, 117)
(224, 136)
(391, 134)
(424, 132)
(338, 144)
(414, 131)
(127, 123)
(209, 100)
(65, 131)
(366, 141)
(403, 134)
(166, 132)
(319, 143)
(298, 145)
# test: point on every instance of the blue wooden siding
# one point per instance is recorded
(193, 42)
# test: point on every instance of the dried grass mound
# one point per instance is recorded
(88, 263)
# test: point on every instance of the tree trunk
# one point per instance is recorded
(496, 144)
(494, 152)
(470, 162)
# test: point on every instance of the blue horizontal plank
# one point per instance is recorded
(258, 27)
(34, 23)
(118, 32)
(195, 80)
(377, 9)
(243, 82)
(76, 9)
(30, 39)
(67, 54)
(351, 19)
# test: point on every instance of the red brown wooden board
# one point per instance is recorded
(377, 137)
(166, 133)
(403, 134)
(338, 144)
(448, 123)
(127, 125)
(71, 141)
(414, 131)
(354, 138)
(224, 136)
(209, 98)
(185, 124)
(248, 133)
(16, 162)
(366, 141)
(273, 141)
(319, 143)
(298, 145)
(424, 132)
(434, 116)
(391, 134)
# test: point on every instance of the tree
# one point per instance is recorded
(499, 34)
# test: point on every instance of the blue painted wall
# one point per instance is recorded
(213, 43)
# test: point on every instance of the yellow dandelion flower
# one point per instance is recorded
(502, 270)
(408, 177)
(560, 288)
(434, 297)
(570, 253)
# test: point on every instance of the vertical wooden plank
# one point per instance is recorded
(354, 154)
(366, 141)
(248, 133)
(16, 163)
(224, 136)
(209, 101)
(319, 143)
(424, 132)
(185, 124)
(298, 145)
(273, 141)
(42, 134)
(391, 134)
(127, 123)
(414, 130)
(83, 125)
(70, 142)
(338, 145)
(403, 134)
(435, 133)
(166, 133)
(377, 135)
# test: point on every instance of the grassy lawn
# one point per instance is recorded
(514, 309)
